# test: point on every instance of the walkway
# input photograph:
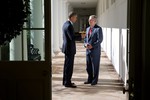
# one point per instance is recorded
(109, 86)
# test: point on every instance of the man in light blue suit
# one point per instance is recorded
(92, 43)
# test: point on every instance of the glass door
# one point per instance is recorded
(25, 64)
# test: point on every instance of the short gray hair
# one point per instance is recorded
(93, 17)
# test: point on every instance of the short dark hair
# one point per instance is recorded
(71, 14)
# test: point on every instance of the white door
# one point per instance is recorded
(22, 75)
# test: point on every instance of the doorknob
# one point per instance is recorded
(125, 90)
(130, 88)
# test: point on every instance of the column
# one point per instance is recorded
(52, 28)
(61, 23)
(25, 49)
(16, 49)
(64, 7)
(65, 10)
(62, 19)
(56, 26)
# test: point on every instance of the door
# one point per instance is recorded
(26, 75)
(134, 50)
(138, 49)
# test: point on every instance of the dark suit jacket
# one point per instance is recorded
(68, 46)
(95, 40)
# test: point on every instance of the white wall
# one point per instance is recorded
(115, 16)
(113, 19)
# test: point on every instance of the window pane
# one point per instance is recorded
(37, 14)
(35, 45)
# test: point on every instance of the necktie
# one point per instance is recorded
(90, 31)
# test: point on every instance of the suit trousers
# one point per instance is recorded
(68, 69)
(93, 63)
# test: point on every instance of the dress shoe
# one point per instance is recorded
(93, 83)
(72, 85)
(87, 82)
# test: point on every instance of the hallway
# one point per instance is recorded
(109, 86)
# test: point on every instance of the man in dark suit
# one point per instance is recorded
(69, 49)
(92, 43)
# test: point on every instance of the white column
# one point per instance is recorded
(63, 16)
(25, 49)
(61, 23)
(66, 10)
(62, 19)
(16, 49)
(52, 28)
(38, 22)
(56, 26)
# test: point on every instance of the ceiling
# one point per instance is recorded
(83, 3)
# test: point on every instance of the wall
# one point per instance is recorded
(112, 17)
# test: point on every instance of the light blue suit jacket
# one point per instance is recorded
(95, 39)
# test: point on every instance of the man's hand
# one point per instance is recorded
(89, 46)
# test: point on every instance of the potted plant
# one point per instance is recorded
(13, 15)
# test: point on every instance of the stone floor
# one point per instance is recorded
(109, 86)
